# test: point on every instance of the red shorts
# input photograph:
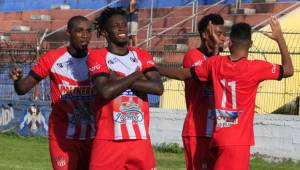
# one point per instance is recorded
(70, 154)
(129, 154)
(231, 157)
(197, 153)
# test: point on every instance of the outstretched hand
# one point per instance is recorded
(212, 34)
(276, 29)
(16, 73)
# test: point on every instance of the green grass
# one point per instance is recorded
(29, 153)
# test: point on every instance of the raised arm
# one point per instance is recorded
(288, 69)
(22, 85)
(111, 89)
(175, 73)
(151, 84)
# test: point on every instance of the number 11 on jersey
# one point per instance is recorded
(232, 85)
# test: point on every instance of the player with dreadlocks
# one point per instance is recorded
(122, 76)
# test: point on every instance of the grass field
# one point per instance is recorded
(27, 153)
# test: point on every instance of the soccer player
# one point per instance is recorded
(122, 140)
(235, 81)
(198, 124)
(72, 120)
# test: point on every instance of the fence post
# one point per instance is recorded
(194, 11)
(149, 29)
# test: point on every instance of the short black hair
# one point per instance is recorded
(240, 32)
(101, 20)
(215, 19)
(72, 21)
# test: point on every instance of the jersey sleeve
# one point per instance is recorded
(148, 64)
(42, 67)
(192, 58)
(202, 72)
(97, 63)
(267, 71)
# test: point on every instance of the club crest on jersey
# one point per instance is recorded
(128, 111)
(112, 61)
(226, 118)
(60, 161)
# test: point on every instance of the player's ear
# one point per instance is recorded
(68, 33)
(204, 35)
(229, 43)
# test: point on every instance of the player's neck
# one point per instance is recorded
(119, 50)
(203, 48)
(237, 55)
(77, 53)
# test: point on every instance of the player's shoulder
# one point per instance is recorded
(137, 50)
(53, 55)
(195, 53)
(217, 58)
(257, 63)
(97, 51)
(56, 52)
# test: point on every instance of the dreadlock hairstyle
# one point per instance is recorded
(101, 20)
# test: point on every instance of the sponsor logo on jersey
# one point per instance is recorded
(197, 63)
(96, 67)
(70, 91)
(133, 59)
(76, 90)
(150, 62)
(274, 68)
(226, 118)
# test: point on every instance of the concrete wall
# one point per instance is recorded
(277, 136)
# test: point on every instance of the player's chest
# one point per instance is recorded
(70, 68)
(126, 64)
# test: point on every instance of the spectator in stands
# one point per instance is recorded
(122, 140)
(133, 22)
(235, 81)
(198, 124)
(71, 122)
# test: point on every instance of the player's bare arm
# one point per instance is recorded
(151, 83)
(175, 73)
(276, 35)
(22, 85)
(109, 89)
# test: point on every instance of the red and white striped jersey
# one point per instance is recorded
(126, 116)
(72, 96)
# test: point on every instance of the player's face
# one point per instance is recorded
(220, 33)
(80, 35)
(117, 30)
